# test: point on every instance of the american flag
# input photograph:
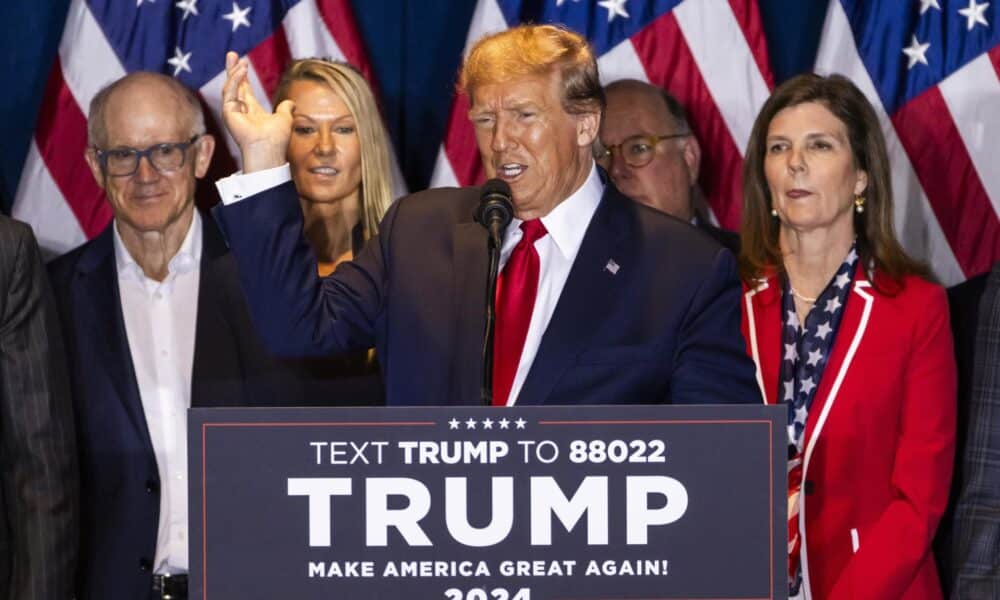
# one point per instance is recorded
(105, 39)
(932, 70)
(710, 54)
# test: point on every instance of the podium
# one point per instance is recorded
(480, 503)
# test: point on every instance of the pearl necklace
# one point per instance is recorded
(801, 297)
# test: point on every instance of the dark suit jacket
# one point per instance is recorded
(649, 313)
(120, 487)
(38, 475)
(727, 239)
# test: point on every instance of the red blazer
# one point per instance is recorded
(879, 439)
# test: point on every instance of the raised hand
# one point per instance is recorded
(261, 135)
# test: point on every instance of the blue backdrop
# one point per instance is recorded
(415, 91)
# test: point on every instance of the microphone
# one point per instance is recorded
(494, 212)
(495, 209)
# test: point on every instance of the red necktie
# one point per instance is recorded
(515, 301)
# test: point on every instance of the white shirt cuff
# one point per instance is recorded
(243, 185)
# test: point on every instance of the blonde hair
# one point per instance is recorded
(350, 85)
(529, 50)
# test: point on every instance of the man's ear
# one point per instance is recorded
(204, 148)
(692, 157)
(95, 166)
(587, 125)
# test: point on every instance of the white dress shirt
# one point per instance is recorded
(566, 226)
(160, 320)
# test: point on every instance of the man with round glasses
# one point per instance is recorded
(646, 146)
(155, 323)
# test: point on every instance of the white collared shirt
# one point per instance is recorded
(160, 319)
(566, 226)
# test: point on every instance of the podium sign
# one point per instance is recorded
(477, 503)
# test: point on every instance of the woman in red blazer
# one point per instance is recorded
(853, 337)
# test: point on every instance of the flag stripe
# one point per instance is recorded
(269, 59)
(40, 203)
(722, 55)
(955, 192)
(62, 138)
(748, 18)
(88, 61)
(339, 19)
(459, 138)
(994, 55)
(914, 220)
(307, 34)
(978, 122)
(460, 144)
(670, 64)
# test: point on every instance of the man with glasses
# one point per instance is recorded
(647, 148)
(155, 322)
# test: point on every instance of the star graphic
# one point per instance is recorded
(974, 14)
(238, 16)
(487, 423)
(189, 7)
(842, 280)
(615, 8)
(790, 352)
(926, 5)
(916, 52)
(180, 61)
(520, 423)
(823, 330)
(832, 304)
(814, 357)
(504, 424)
(808, 385)
(453, 424)
(801, 414)
(470, 424)
(789, 390)
(792, 319)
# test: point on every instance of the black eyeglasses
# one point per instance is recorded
(636, 151)
(124, 161)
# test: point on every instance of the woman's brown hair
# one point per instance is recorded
(877, 243)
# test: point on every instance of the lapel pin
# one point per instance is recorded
(612, 267)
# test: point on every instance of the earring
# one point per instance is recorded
(774, 212)
(859, 204)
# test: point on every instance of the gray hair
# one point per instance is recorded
(96, 128)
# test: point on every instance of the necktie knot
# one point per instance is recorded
(533, 230)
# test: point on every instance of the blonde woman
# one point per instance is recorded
(339, 157)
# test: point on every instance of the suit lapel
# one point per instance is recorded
(588, 297)
(851, 331)
(469, 256)
(763, 309)
(217, 356)
(98, 275)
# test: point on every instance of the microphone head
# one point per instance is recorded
(496, 187)
(495, 206)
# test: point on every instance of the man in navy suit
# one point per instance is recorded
(155, 322)
(647, 146)
(601, 300)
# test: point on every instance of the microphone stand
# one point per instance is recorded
(493, 244)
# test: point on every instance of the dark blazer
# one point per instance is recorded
(38, 475)
(725, 238)
(120, 487)
(967, 547)
(649, 312)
